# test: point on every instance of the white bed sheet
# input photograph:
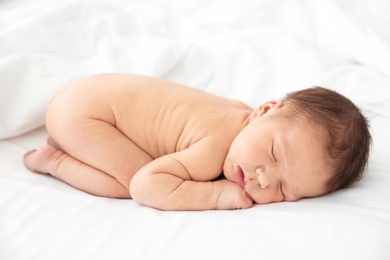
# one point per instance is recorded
(253, 51)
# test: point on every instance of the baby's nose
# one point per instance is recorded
(264, 180)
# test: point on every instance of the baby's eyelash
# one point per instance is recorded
(272, 151)
(281, 190)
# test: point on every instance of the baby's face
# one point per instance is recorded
(275, 159)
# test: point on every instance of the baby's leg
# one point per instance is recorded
(98, 147)
(48, 159)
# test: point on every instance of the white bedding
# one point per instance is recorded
(252, 50)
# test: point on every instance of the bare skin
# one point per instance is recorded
(164, 144)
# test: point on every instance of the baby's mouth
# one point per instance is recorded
(239, 176)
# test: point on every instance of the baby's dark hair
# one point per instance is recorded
(346, 130)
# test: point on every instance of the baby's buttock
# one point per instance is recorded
(85, 107)
(74, 105)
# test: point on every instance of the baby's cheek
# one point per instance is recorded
(262, 196)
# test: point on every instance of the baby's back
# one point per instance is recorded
(159, 116)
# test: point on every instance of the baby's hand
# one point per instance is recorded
(233, 196)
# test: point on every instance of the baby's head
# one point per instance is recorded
(313, 142)
(344, 130)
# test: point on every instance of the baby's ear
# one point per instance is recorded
(266, 107)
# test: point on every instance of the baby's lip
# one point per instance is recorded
(239, 175)
(240, 178)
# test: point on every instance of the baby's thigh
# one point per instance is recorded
(99, 144)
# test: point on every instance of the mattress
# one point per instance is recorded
(254, 51)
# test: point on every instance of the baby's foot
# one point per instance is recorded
(35, 160)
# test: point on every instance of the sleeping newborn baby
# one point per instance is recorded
(173, 147)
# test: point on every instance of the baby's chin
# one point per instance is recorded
(250, 197)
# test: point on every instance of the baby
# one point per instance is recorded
(173, 147)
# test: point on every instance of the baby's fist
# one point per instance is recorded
(232, 196)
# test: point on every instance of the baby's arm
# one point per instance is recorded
(167, 183)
